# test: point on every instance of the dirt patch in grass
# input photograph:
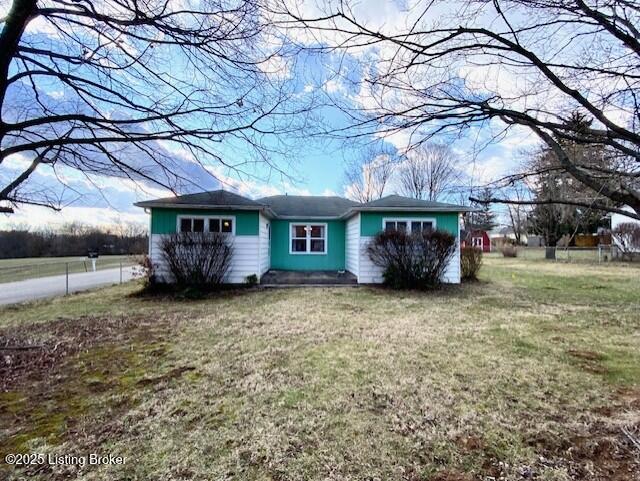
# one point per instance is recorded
(586, 355)
(470, 443)
(448, 475)
(32, 351)
(59, 378)
(602, 453)
(590, 361)
(601, 449)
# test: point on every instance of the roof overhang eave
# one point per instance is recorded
(355, 210)
(266, 210)
(309, 217)
(168, 205)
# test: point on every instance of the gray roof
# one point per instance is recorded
(400, 202)
(212, 199)
(298, 206)
(308, 205)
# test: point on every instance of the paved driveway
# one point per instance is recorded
(42, 287)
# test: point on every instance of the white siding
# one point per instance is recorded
(244, 261)
(369, 273)
(352, 244)
(265, 245)
(155, 254)
(452, 273)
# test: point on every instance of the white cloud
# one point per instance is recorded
(334, 86)
(519, 138)
(38, 217)
(400, 139)
(488, 170)
(42, 25)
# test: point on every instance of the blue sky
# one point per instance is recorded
(314, 165)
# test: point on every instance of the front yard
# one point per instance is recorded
(532, 373)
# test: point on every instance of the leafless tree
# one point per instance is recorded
(428, 172)
(369, 173)
(129, 229)
(511, 65)
(128, 88)
(518, 213)
(627, 239)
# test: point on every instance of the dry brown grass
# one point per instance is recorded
(528, 374)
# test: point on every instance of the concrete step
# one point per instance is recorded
(276, 277)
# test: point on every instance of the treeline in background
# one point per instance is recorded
(73, 239)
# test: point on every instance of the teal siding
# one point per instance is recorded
(333, 260)
(371, 222)
(164, 221)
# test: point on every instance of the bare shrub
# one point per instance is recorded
(509, 250)
(470, 262)
(627, 238)
(412, 261)
(199, 259)
(146, 271)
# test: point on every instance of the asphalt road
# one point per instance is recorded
(43, 287)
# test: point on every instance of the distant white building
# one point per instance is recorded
(617, 219)
(505, 234)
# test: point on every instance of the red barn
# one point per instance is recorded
(480, 239)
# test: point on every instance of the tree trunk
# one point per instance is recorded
(551, 241)
(15, 22)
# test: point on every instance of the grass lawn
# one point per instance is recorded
(31, 267)
(531, 373)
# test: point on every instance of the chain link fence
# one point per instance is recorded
(12, 270)
(587, 255)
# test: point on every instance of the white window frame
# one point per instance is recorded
(206, 219)
(473, 242)
(409, 220)
(309, 238)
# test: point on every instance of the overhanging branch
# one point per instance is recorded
(594, 206)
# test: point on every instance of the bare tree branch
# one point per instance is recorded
(595, 205)
(157, 92)
(428, 172)
(368, 175)
(501, 63)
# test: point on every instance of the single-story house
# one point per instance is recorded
(504, 235)
(297, 233)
